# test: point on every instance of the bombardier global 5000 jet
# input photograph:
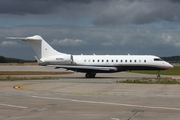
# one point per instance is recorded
(92, 64)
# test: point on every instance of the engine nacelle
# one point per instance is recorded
(65, 59)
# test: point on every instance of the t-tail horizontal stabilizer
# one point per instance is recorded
(16, 38)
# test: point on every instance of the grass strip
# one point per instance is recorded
(6, 75)
(10, 78)
(32, 73)
(173, 71)
(151, 81)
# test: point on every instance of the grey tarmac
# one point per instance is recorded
(73, 97)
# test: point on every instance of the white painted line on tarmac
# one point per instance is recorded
(8, 105)
(114, 119)
(108, 103)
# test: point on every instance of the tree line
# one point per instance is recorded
(13, 60)
(172, 59)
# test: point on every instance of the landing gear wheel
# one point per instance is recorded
(90, 75)
(87, 75)
(159, 75)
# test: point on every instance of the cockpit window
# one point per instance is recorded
(158, 59)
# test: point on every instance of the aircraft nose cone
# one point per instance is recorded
(169, 66)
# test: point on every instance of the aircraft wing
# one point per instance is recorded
(85, 68)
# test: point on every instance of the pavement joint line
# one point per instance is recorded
(8, 105)
(107, 103)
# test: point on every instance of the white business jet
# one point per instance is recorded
(92, 64)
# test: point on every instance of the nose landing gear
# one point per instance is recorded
(159, 74)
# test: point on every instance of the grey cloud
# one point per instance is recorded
(102, 12)
(98, 40)
(44, 7)
(176, 1)
(139, 12)
(68, 42)
(9, 44)
(22, 7)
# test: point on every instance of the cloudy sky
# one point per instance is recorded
(92, 26)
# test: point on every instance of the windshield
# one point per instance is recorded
(158, 59)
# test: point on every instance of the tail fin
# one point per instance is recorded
(40, 46)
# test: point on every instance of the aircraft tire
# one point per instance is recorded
(90, 75)
(87, 75)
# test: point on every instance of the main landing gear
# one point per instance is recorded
(90, 75)
(159, 74)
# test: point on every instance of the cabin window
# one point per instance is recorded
(144, 60)
(84, 60)
(125, 60)
(102, 60)
(116, 60)
(93, 60)
(134, 60)
(121, 60)
(130, 60)
(106, 60)
(98, 60)
(139, 60)
(112, 60)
